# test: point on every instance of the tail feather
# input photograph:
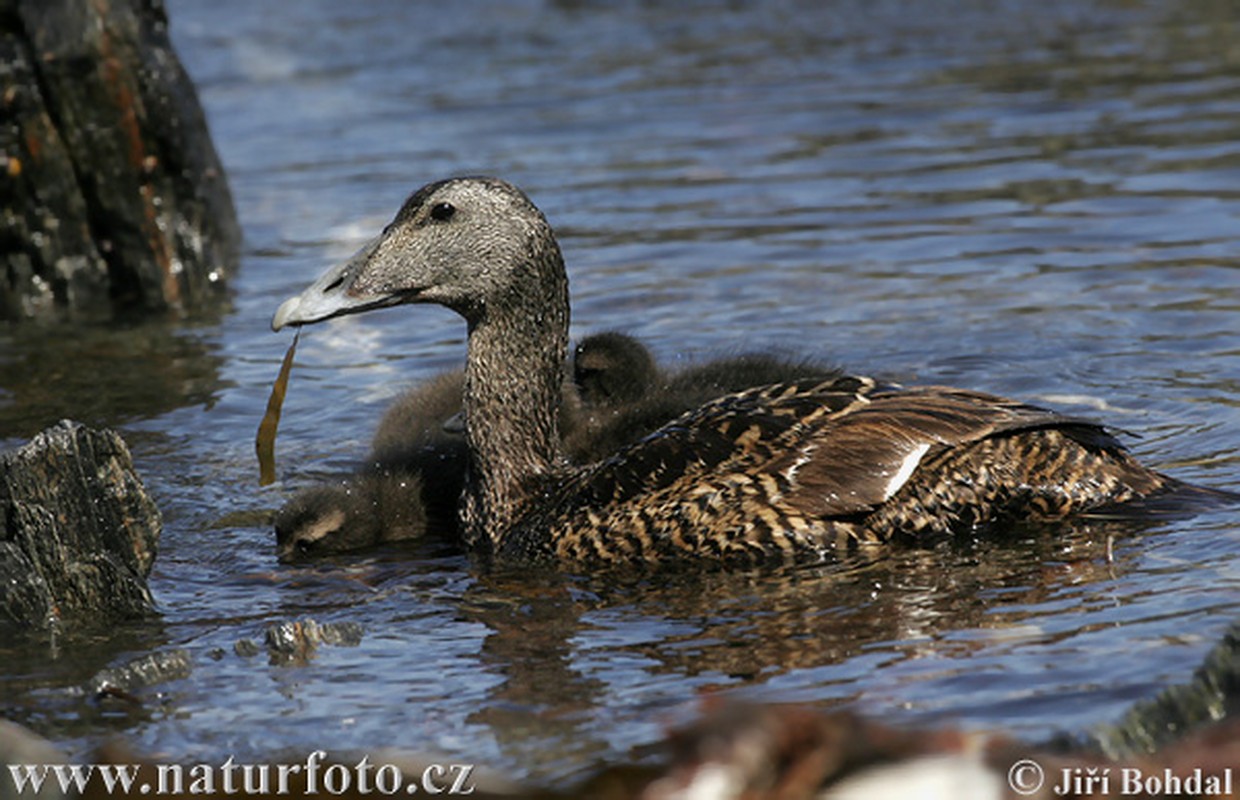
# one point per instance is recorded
(1174, 498)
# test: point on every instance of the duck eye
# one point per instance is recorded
(442, 211)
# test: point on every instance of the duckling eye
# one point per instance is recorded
(442, 212)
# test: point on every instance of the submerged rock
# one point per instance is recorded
(296, 641)
(147, 670)
(78, 532)
(112, 196)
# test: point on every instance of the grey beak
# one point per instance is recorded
(329, 296)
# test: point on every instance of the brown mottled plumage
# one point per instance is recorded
(790, 470)
(796, 469)
(611, 359)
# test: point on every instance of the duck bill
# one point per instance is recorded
(334, 295)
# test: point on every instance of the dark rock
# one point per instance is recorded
(247, 648)
(78, 531)
(112, 196)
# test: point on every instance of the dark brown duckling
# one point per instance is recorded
(792, 470)
(611, 369)
(408, 487)
(420, 434)
(363, 511)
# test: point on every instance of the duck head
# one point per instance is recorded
(469, 244)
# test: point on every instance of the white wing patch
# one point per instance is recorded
(906, 470)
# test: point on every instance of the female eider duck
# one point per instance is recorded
(794, 469)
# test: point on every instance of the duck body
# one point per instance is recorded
(798, 470)
(791, 470)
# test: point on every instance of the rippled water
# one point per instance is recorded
(1036, 199)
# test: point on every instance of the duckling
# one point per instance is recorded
(366, 510)
(793, 470)
(408, 487)
(416, 467)
(612, 368)
(643, 398)
(420, 434)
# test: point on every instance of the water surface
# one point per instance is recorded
(1035, 199)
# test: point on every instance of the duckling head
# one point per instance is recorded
(316, 521)
(612, 368)
(365, 511)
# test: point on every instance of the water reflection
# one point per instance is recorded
(103, 376)
(566, 646)
(46, 681)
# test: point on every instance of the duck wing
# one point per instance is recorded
(726, 433)
(855, 460)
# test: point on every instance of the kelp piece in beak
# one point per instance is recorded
(265, 441)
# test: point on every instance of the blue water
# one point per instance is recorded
(1035, 199)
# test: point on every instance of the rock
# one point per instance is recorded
(78, 531)
(112, 197)
(297, 641)
(147, 670)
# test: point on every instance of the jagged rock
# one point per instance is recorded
(78, 531)
(112, 196)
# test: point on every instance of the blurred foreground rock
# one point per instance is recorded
(736, 752)
(112, 197)
(78, 531)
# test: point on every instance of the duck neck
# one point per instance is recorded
(513, 389)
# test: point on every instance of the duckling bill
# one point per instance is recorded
(787, 471)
